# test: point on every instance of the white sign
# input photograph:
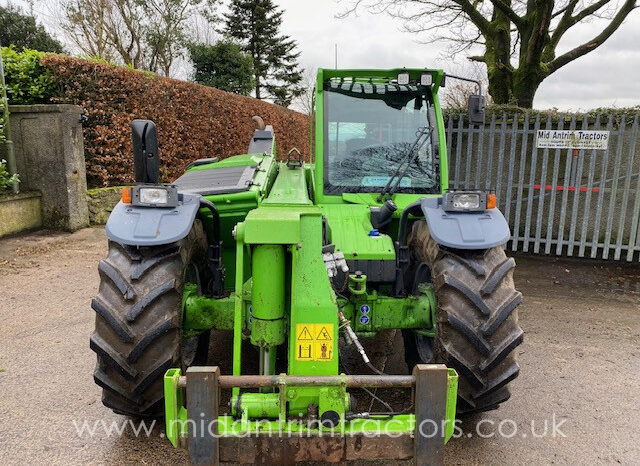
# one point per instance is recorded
(568, 139)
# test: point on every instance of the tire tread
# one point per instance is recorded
(477, 327)
(139, 321)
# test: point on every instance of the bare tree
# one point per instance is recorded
(165, 34)
(86, 25)
(456, 93)
(304, 102)
(202, 28)
(147, 35)
(127, 32)
(519, 38)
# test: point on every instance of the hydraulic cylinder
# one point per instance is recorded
(268, 303)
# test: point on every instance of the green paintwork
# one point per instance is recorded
(452, 400)
(312, 301)
(387, 313)
(268, 271)
(349, 228)
(238, 308)
(289, 188)
(277, 281)
(174, 409)
(256, 404)
(334, 398)
(357, 284)
(276, 225)
(202, 313)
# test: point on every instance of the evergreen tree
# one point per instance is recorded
(22, 31)
(223, 65)
(255, 24)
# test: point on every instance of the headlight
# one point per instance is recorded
(468, 201)
(154, 196)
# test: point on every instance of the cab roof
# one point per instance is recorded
(378, 76)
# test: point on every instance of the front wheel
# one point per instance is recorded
(138, 332)
(476, 320)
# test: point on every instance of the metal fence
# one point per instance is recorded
(583, 203)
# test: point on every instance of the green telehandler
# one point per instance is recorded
(299, 261)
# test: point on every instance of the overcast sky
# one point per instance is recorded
(609, 76)
(606, 77)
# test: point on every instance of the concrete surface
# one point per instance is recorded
(49, 151)
(580, 363)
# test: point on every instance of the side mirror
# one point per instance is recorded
(476, 110)
(146, 164)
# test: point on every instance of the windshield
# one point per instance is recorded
(369, 132)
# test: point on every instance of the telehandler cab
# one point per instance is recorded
(302, 260)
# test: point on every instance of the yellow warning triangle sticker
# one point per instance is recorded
(305, 334)
(324, 334)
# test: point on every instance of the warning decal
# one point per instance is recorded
(323, 334)
(304, 334)
(314, 342)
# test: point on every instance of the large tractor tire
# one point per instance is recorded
(476, 320)
(138, 333)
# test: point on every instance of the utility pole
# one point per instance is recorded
(336, 55)
(11, 158)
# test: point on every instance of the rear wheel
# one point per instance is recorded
(476, 320)
(138, 333)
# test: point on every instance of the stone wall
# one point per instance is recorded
(101, 202)
(49, 150)
(19, 212)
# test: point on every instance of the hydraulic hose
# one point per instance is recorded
(404, 220)
(214, 251)
(217, 237)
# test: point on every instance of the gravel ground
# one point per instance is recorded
(580, 365)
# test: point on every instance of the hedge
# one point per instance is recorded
(193, 121)
(27, 81)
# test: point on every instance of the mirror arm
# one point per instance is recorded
(469, 80)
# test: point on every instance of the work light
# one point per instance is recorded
(403, 79)
(151, 196)
(426, 79)
(468, 201)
